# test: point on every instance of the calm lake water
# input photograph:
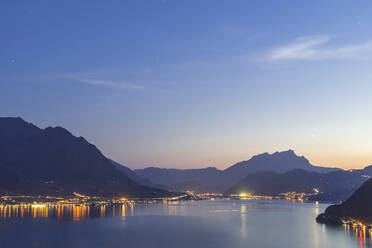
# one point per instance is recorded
(215, 224)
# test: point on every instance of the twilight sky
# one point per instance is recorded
(190, 83)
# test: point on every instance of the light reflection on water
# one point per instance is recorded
(364, 236)
(217, 224)
(64, 211)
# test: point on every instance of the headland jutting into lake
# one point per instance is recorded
(355, 211)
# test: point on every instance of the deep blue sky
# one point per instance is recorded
(189, 83)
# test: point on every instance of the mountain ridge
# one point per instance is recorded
(53, 161)
(221, 180)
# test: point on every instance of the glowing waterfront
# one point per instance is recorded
(80, 206)
(62, 211)
(184, 224)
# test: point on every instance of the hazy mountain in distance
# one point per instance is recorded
(221, 180)
(199, 180)
(278, 162)
(53, 161)
(171, 176)
(358, 206)
(132, 175)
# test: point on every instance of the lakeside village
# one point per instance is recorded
(81, 199)
(79, 206)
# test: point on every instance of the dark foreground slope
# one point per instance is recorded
(53, 161)
(358, 206)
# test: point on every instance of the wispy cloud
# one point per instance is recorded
(106, 83)
(312, 48)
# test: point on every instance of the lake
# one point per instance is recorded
(215, 224)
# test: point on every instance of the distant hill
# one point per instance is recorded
(136, 178)
(333, 186)
(358, 206)
(199, 180)
(210, 178)
(272, 183)
(53, 161)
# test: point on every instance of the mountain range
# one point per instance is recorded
(211, 179)
(53, 161)
(263, 174)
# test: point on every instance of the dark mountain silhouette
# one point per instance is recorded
(358, 206)
(53, 161)
(333, 186)
(278, 162)
(220, 180)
